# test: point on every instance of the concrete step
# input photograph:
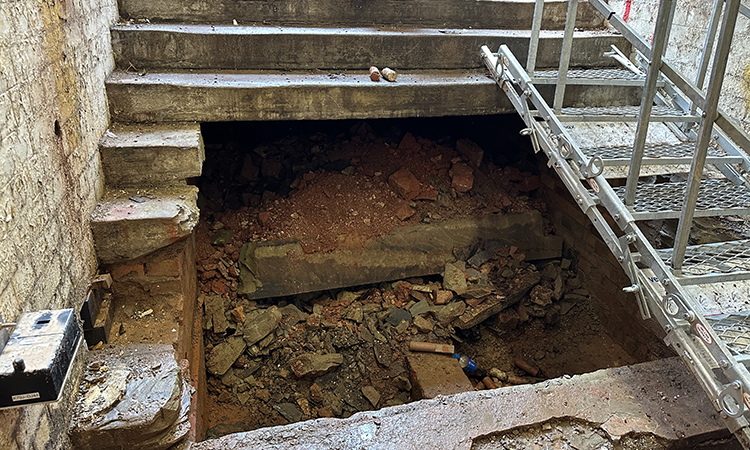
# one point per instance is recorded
(511, 14)
(258, 95)
(151, 154)
(181, 46)
(127, 224)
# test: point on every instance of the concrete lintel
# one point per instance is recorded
(659, 399)
(510, 14)
(151, 154)
(156, 47)
(278, 268)
(251, 96)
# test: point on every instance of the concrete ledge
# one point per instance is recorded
(511, 14)
(224, 96)
(659, 399)
(125, 228)
(168, 47)
(277, 268)
(151, 155)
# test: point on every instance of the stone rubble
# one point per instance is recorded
(333, 354)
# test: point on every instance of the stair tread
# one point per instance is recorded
(194, 46)
(143, 136)
(624, 113)
(474, 14)
(734, 330)
(226, 29)
(598, 74)
(659, 154)
(664, 200)
(717, 258)
(144, 204)
(266, 78)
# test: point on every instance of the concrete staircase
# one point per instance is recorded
(180, 62)
(283, 59)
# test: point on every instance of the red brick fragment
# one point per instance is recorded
(463, 177)
(404, 212)
(405, 184)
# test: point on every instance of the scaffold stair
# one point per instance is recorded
(704, 173)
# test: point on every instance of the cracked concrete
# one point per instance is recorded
(657, 401)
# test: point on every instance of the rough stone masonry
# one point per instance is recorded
(54, 57)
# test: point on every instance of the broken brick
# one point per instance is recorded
(404, 212)
(462, 177)
(435, 374)
(120, 271)
(167, 268)
(405, 184)
(409, 143)
(471, 151)
(264, 218)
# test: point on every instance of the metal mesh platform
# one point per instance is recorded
(624, 114)
(601, 74)
(664, 200)
(619, 77)
(734, 330)
(722, 257)
(682, 150)
(660, 154)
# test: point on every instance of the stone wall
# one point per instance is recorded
(54, 56)
(686, 44)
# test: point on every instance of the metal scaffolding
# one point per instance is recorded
(715, 349)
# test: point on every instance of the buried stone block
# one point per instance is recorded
(279, 268)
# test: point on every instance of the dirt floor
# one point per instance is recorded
(334, 187)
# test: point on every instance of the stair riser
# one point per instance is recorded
(425, 13)
(140, 100)
(249, 50)
(154, 166)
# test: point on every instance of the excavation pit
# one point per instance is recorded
(325, 198)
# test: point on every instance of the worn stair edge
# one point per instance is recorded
(127, 224)
(280, 268)
(151, 154)
(240, 96)
(619, 402)
(438, 13)
(184, 46)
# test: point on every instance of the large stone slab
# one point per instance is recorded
(131, 397)
(151, 154)
(323, 95)
(277, 268)
(127, 224)
(658, 399)
(154, 47)
(508, 14)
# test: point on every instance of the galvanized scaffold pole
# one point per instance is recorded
(536, 27)
(661, 38)
(726, 35)
(567, 48)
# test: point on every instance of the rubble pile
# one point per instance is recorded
(329, 190)
(333, 354)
